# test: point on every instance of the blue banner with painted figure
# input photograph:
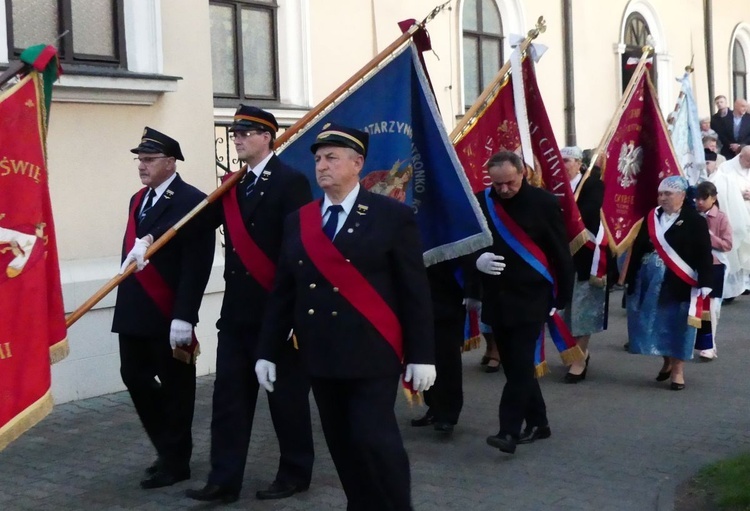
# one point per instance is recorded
(685, 131)
(410, 157)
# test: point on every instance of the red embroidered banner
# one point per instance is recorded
(496, 129)
(633, 163)
(32, 329)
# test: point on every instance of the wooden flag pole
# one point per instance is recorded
(236, 176)
(494, 86)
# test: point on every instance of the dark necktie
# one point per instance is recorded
(250, 186)
(333, 220)
(149, 204)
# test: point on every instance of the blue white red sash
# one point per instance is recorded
(679, 267)
(524, 246)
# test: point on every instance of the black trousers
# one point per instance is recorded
(165, 406)
(522, 397)
(234, 399)
(362, 434)
(446, 397)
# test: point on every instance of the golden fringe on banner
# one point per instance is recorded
(597, 281)
(706, 316)
(577, 242)
(694, 322)
(184, 356)
(59, 351)
(26, 420)
(541, 369)
(412, 398)
(574, 354)
(472, 343)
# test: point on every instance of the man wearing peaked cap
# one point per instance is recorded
(157, 307)
(154, 142)
(253, 218)
(352, 285)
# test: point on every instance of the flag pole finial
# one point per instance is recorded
(539, 28)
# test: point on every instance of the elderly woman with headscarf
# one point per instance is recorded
(669, 279)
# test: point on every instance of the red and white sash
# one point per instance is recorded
(678, 266)
(598, 243)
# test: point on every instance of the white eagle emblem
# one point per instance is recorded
(629, 164)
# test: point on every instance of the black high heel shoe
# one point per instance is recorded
(575, 378)
(664, 375)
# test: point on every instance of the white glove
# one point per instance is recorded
(552, 311)
(266, 373)
(136, 254)
(180, 333)
(490, 263)
(472, 304)
(421, 376)
(705, 291)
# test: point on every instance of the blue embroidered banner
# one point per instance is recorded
(410, 157)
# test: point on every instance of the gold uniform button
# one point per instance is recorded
(252, 224)
(334, 314)
(311, 312)
(312, 286)
(348, 261)
(300, 262)
(335, 290)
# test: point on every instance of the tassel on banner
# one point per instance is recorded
(413, 398)
(541, 369)
(186, 356)
(571, 355)
(598, 281)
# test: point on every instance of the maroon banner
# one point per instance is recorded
(32, 329)
(496, 129)
(633, 163)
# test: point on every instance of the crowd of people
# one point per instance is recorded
(332, 296)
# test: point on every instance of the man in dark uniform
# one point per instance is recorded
(352, 284)
(157, 307)
(446, 398)
(517, 303)
(253, 217)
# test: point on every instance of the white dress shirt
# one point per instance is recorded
(347, 204)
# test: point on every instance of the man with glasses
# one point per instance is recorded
(157, 307)
(253, 216)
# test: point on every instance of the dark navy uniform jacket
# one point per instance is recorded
(380, 238)
(184, 263)
(276, 194)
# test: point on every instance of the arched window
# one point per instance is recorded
(635, 38)
(482, 46)
(739, 71)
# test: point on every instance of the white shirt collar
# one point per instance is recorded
(260, 166)
(159, 190)
(347, 203)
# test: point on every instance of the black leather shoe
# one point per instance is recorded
(212, 492)
(506, 443)
(163, 478)
(154, 468)
(280, 490)
(443, 427)
(427, 420)
(535, 433)
(575, 378)
(663, 375)
(677, 386)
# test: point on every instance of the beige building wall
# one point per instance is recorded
(323, 42)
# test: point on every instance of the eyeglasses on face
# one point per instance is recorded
(148, 160)
(244, 134)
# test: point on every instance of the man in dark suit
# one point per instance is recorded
(157, 307)
(587, 312)
(517, 303)
(445, 399)
(722, 110)
(735, 130)
(356, 294)
(253, 216)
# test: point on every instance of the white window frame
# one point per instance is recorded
(741, 34)
(144, 59)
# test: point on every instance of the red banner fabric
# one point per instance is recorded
(633, 164)
(496, 129)
(32, 329)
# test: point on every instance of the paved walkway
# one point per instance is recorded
(620, 441)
